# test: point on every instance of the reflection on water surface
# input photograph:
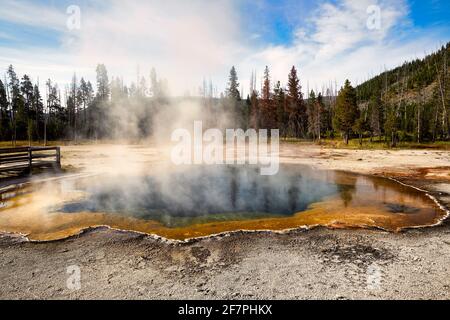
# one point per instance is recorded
(186, 202)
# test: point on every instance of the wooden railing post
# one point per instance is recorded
(30, 160)
(58, 157)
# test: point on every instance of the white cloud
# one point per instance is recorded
(344, 26)
(31, 14)
(337, 44)
(183, 40)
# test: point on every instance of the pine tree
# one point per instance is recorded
(55, 123)
(360, 127)
(154, 84)
(15, 100)
(102, 83)
(391, 124)
(233, 85)
(295, 106)
(38, 110)
(323, 115)
(267, 113)
(255, 117)
(375, 112)
(86, 97)
(312, 114)
(73, 104)
(98, 112)
(280, 106)
(117, 90)
(83, 97)
(233, 98)
(315, 111)
(346, 111)
(4, 119)
(24, 123)
(246, 114)
(26, 88)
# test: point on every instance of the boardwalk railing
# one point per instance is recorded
(25, 159)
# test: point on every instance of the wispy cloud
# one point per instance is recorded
(31, 14)
(339, 42)
(6, 36)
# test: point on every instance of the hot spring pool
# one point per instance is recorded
(187, 202)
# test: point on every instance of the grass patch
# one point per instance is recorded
(326, 143)
(9, 144)
(372, 145)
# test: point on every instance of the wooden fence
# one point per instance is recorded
(25, 159)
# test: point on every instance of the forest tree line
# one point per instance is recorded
(408, 103)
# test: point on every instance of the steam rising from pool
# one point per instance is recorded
(211, 192)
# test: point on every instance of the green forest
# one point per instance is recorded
(409, 103)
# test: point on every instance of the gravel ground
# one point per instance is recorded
(315, 264)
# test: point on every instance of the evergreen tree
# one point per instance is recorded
(16, 100)
(233, 98)
(295, 106)
(391, 124)
(233, 85)
(38, 111)
(72, 104)
(117, 90)
(24, 123)
(26, 88)
(98, 112)
(267, 113)
(255, 117)
(154, 84)
(102, 83)
(315, 110)
(346, 111)
(360, 127)
(247, 113)
(323, 115)
(408, 103)
(4, 119)
(280, 106)
(312, 114)
(375, 112)
(85, 96)
(56, 121)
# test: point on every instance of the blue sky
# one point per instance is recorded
(191, 40)
(430, 13)
(276, 19)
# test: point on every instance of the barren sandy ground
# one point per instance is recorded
(315, 264)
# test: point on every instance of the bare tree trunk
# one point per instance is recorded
(45, 131)
(418, 123)
(444, 111)
(15, 133)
